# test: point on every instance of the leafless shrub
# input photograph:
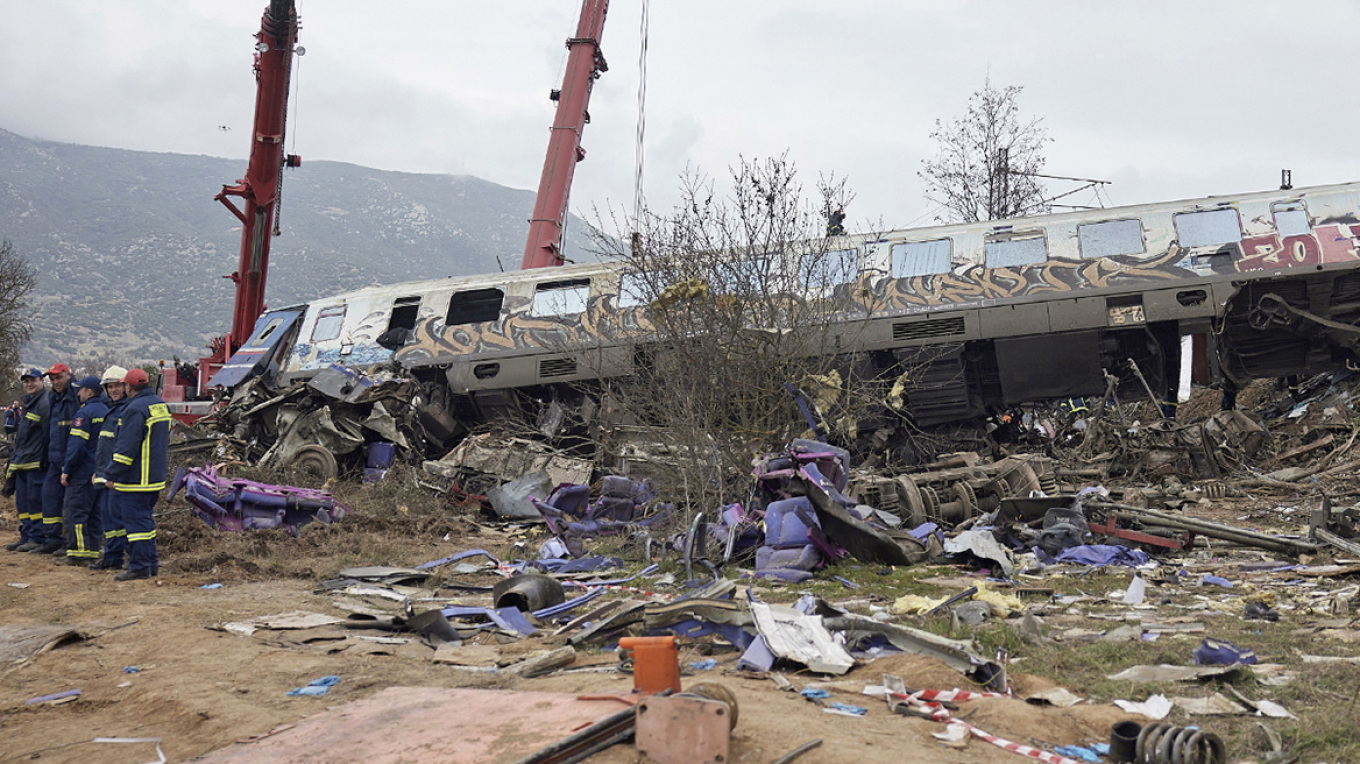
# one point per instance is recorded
(17, 280)
(750, 307)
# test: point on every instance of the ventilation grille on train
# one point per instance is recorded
(556, 367)
(939, 327)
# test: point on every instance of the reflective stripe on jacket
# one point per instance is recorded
(84, 438)
(103, 452)
(30, 444)
(62, 414)
(141, 444)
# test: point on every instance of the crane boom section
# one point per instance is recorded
(259, 190)
(585, 63)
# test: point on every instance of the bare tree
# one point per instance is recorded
(988, 161)
(748, 308)
(17, 280)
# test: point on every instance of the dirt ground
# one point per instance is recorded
(199, 688)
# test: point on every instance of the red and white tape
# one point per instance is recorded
(932, 700)
(1023, 750)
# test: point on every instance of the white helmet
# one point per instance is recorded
(113, 374)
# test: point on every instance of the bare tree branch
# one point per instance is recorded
(988, 160)
(17, 280)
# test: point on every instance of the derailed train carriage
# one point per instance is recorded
(1009, 311)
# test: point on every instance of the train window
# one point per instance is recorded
(560, 298)
(475, 306)
(753, 276)
(328, 322)
(922, 258)
(266, 333)
(404, 313)
(1111, 238)
(827, 269)
(1011, 252)
(1292, 222)
(1204, 229)
(633, 290)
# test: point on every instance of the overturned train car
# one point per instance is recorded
(1004, 312)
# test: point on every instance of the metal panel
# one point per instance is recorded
(1073, 314)
(271, 330)
(1168, 304)
(1028, 366)
(1011, 320)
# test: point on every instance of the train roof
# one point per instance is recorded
(1035, 222)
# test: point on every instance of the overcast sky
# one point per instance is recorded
(1167, 99)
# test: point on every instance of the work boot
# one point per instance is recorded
(61, 552)
(106, 564)
(27, 546)
(132, 575)
(14, 546)
(64, 560)
(47, 548)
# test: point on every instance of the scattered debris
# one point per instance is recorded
(239, 504)
(317, 686)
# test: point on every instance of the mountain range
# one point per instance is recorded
(130, 247)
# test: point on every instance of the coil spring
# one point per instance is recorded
(1166, 744)
(1213, 489)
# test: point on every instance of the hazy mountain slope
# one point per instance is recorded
(131, 248)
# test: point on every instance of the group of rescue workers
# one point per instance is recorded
(88, 464)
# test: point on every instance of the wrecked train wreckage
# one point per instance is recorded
(987, 314)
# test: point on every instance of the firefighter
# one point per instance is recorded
(79, 515)
(60, 416)
(115, 535)
(140, 454)
(29, 460)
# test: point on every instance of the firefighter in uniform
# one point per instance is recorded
(115, 535)
(63, 413)
(79, 515)
(29, 459)
(140, 454)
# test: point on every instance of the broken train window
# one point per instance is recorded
(402, 323)
(633, 290)
(474, 306)
(1203, 229)
(1008, 250)
(1291, 219)
(328, 321)
(922, 258)
(828, 269)
(1111, 238)
(404, 313)
(560, 298)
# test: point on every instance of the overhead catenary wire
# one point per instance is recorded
(639, 149)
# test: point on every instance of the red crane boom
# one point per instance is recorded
(585, 64)
(259, 189)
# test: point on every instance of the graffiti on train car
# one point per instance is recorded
(964, 286)
(1134, 254)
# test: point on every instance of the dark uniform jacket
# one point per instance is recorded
(64, 405)
(30, 444)
(141, 444)
(84, 438)
(103, 452)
